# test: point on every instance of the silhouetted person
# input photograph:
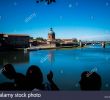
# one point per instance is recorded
(34, 79)
(19, 79)
(20, 82)
(9, 71)
(90, 81)
(52, 84)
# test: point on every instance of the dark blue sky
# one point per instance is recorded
(82, 19)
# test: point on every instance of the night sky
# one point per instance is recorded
(82, 19)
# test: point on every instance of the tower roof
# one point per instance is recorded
(51, 31)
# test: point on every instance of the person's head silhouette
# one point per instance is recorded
(9, 71)
(90, 81)
(18, 78)
(34, 77)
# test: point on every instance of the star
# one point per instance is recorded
(15, 58)
(77, 58)
(61, 71)
(107, 85)
(107, 58)
(46, 4)
(61, 17)
(76, 3)
(76, 85)
(91, 17)
(107, 4)
(70, 5)
(15, 3)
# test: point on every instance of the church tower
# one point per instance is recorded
(51, 35)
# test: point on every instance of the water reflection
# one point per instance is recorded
(13, 57)
(51, 57)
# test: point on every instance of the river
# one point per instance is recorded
(66, 64)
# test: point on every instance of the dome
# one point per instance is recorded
(51, 31)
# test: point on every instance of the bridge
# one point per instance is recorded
(102, 43)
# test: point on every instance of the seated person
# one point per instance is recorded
(90, 81)
(17, 78)
(34, 79)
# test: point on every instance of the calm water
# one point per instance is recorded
(66, 64)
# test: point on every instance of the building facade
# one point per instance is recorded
(14, 41)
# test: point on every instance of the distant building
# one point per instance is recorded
(103, 44)
(14, 41)
(69, 41)
(59, 42)
(66, 41)
(51, 37)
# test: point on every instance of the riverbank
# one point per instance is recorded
(35, 48)
(49, 48)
